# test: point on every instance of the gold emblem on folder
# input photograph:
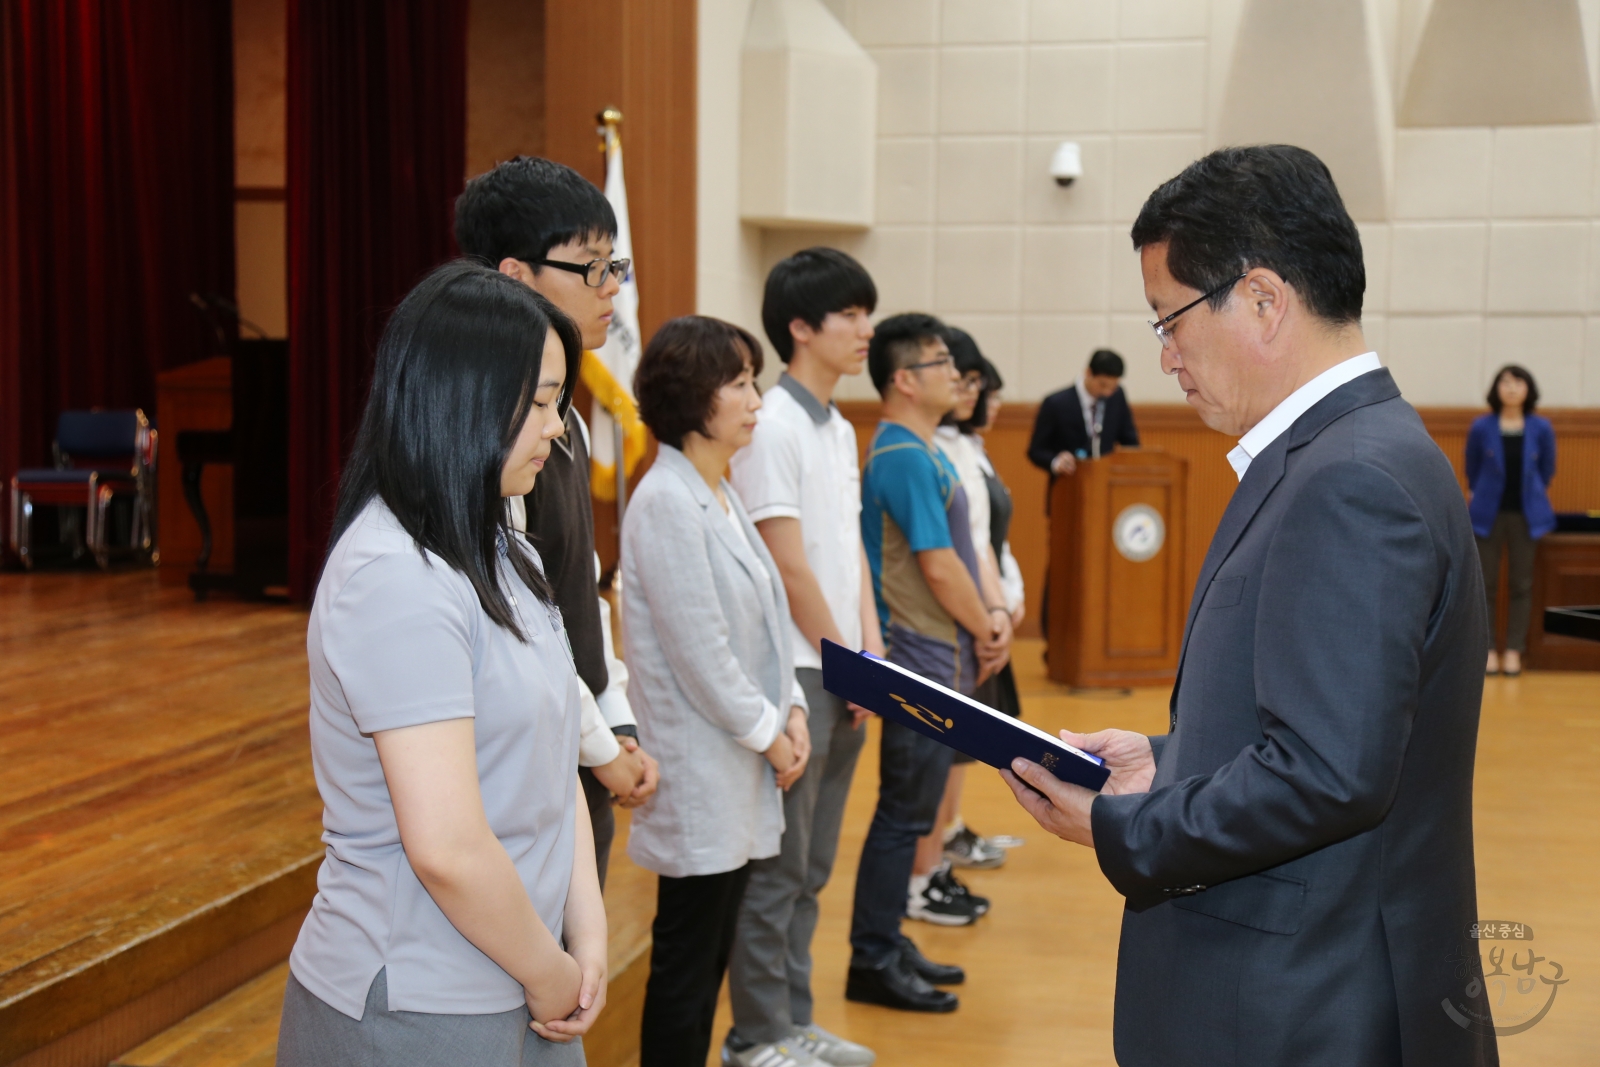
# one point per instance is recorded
(923, 715)
(1049, 760)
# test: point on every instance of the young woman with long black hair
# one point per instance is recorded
(458, 916)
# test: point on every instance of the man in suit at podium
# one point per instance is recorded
(1086, 420)
(1296, 852)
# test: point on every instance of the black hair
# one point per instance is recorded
(526, 206)
(992, 384)
(968, 359)
(1515, 371)
(453, 384)
(682, 368)
(810, 285)
(898, 342)
(1272, 206)
(1107, 364)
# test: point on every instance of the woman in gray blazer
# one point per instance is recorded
(710, 673)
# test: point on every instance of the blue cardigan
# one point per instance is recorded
(1486, 473)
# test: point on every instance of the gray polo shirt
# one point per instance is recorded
(398, 640)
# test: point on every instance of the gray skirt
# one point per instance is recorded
(312, 1034)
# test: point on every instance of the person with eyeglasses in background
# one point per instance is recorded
(936, 895)
(548, 227)
(936, 622)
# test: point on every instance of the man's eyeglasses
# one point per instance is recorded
(942, 361)
(1164, 334)
(594, 272)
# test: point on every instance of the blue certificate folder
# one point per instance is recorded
(945, 715)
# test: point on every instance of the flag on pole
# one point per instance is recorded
(608, 372)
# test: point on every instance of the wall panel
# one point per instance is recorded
(1175, 428)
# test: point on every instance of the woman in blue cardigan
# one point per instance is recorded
(1511, 457)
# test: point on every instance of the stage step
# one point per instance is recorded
(241, 1028)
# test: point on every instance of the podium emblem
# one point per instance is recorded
(1138, 532)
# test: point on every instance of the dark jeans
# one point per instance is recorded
(601, 817)
(1510, 531)
(693, 934)
(911, 778)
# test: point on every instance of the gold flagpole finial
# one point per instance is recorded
(609, 118)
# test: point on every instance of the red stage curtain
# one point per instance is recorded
(116, 201)
(377, 149)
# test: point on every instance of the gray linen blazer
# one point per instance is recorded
(704, 628)
(1299, 878)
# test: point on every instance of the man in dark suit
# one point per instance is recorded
(1087, 419)
(1296, 852)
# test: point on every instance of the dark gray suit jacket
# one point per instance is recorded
(1299, 879)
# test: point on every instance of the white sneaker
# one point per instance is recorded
(831, 1048)
(772, 1054)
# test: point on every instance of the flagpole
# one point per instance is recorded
(610, 118)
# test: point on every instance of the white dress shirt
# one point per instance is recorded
(1296, 404)
(600, 713)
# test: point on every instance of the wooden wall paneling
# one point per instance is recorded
(1177, 429)
(1566, 573)
(505, 81)
(641, 57)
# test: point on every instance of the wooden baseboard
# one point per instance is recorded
(244, 930)
(102, 1040)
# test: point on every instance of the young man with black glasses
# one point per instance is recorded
(547, 226)
(935, 621)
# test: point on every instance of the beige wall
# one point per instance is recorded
(1482, 242)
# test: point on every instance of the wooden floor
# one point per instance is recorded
(156, 769)
(1041, 965)
(110, 834)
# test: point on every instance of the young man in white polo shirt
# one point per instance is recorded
(800, 480)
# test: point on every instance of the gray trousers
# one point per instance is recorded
(769, 973)
(313, 1034)
(1510, 531)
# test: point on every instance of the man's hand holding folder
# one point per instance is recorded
(951, 718)
(1062, 807)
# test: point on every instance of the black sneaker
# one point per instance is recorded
(945, 883)
(933, 901)
(967, 849)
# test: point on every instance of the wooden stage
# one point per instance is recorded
(160, 838)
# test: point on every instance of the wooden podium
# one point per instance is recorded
(1116, 597)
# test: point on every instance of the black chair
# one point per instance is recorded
(98, 454)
